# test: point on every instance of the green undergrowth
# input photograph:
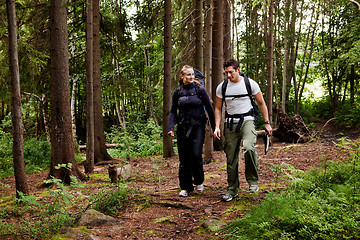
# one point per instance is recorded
(37, 154)
(139, 140)
(41, 217)
(323, 203)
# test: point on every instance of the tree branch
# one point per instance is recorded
(356, 3)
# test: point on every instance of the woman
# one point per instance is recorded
(191, 100)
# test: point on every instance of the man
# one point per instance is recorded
(239, 125)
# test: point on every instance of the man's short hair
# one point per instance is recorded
(231, 62)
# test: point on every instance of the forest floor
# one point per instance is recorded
(157, 212)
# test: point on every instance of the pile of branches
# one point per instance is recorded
(292, 129)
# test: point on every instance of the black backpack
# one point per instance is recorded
(254, 111)
(199, 76)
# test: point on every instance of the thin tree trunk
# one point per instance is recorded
(291, 66)
(270, 62)
(352, 84)
(308, 61)
(117, 81)
(236, 41)
(227, 30)
(120, 107)
(218, 45)
(100, 152)
(90, 164)
(286, 56)
(168, 150)
(217, 54)
(208, 83)
(149, 93)
(2, 110)
(62, 144)
(16, 114)
(73, 112)
(199, 31)
(296, 88)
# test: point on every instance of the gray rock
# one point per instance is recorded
(213, 225)
(125, 171)
(76, 234)
(208, 211)
(93, 218)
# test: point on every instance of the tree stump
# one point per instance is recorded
(292, 129)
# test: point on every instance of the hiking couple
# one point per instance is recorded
(192, 100)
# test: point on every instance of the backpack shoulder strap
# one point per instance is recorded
(248, 88)
(223, 88)
(178, 90)
(198, 91)
(247, 84)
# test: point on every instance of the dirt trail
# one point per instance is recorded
(157, 212)
(161, 214)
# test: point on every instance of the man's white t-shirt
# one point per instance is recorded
(238, 105)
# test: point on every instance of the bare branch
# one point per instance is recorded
(356, 3)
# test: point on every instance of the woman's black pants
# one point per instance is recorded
(190, 145)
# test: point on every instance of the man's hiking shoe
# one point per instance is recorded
(183, 193)
(199, 188)
(254, 188)
(228, 197)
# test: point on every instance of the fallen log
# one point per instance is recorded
(109, 145)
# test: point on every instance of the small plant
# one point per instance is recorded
(112, 201)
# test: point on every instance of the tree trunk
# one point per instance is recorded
(217, 53)
(62, 144)
(208, 83)
(168, 150)
(72, 107)
(296, 86)
(286, 56)
(148, 87)
(100, 152)
(227, 31)
(16, 114)
(270, 60)
(302, 84)
(119, 104)
(90, 164)
(291, 65)
(352, 84)
(199, 31)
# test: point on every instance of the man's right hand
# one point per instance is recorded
(217, 133)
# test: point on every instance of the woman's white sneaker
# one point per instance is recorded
(183, 193)
(199, 188)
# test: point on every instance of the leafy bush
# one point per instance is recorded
(6, 159)
(348, 115)
(322, 204)
(37, 155)
(112, 201)
(140, 140)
